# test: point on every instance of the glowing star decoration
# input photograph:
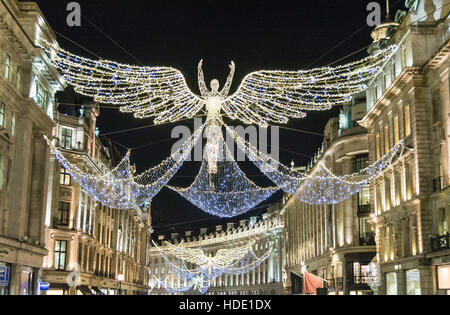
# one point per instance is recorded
(263, 97)
(225, 192)
(121, 188)
(321, 186)
(191, 268)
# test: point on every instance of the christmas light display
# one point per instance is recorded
(226, 192)
(263, 97)
(321, 186)
(191, 268)
(121, 188)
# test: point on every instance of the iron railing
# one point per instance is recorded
(440, 242)
(437, 184)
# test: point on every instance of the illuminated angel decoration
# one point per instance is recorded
(263, 97)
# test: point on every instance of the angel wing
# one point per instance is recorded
(159, 92)
(266, 97)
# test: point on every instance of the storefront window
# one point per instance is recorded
(5, 271)
(413, 282)
(391, 283)
(444, 277)
(360, 273)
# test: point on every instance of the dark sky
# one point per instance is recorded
(256, 35)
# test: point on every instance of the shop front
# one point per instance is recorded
(358, 273)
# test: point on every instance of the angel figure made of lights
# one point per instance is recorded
(263, 97)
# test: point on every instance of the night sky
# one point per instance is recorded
(256, 35)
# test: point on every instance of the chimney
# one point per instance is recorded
(218, 228)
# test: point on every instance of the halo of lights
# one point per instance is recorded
(227, 192)
(191, 268)
(321, 186)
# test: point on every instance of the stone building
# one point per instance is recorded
(334, 242)
(267, 231)
(105, 248)
(409, 100)
(27, 85)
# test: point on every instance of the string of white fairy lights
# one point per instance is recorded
(263, 97)
(121, 188)
(321, 186)
(227, 192)
(191, 268)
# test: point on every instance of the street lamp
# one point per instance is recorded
(120, 278)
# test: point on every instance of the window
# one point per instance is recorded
(2, 171)
(60, 255)
(403, 56)
(364, 196)
(63, 213)
(41, 96)
(407, 120)
(13, 124)
(398, 186)
(391, 283)
(436, 103)
(379, 203)
(409, 181)
(19, 79)
(386, 139)
(8, 68)
(413, 282)
(377, 143)
(387, 193)
(443, 221)
(366, 235)
(359, 163)
(2, 115)
(64, 177)
(66, 138)
(360, 273)
(396, 130)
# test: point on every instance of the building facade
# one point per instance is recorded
(334, 242)
(267, 233)
(409, 100)
(27, 85)
(92, 249)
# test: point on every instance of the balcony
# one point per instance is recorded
(367, 240)
(363, 210)
(440, 242)
(438, 184)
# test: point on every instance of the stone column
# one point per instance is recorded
(39, 172)
(401, 282)
(16, 274)
(18, 218)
